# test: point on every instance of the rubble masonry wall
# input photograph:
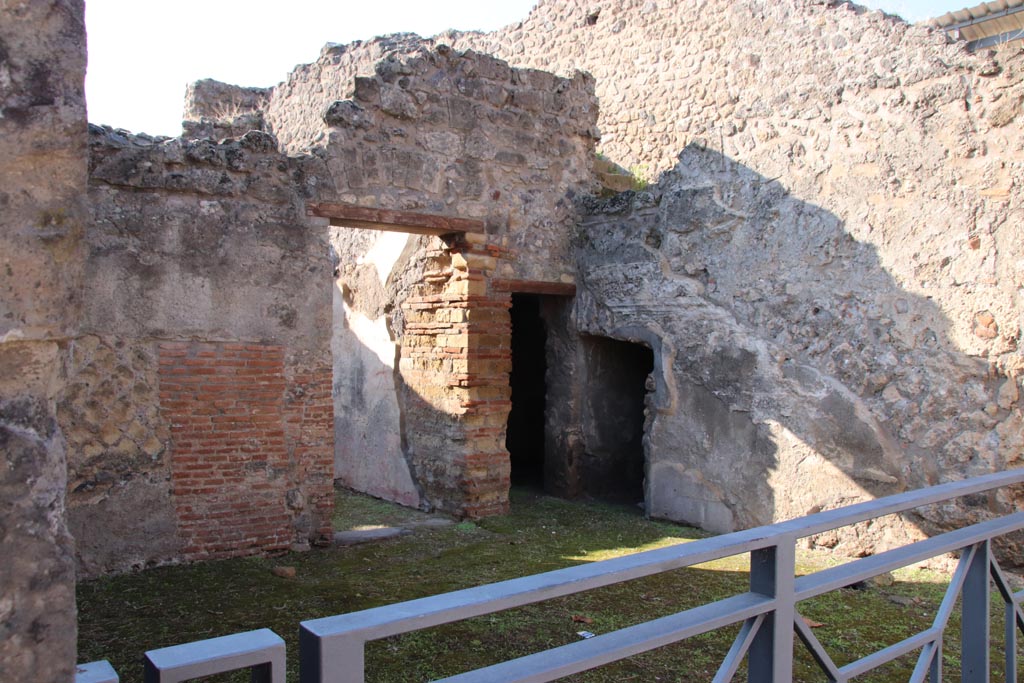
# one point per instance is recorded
(831, 244)
(42, 219)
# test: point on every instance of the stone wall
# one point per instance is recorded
(118, 440)
(826, 264)
(835, 137)
(198, 412)
(204, 267)
(403, 123)
(837, 230)
(464, 135)
(910, 141)
(422, 341)
(42, 214)
(295, 112)
(218, 110)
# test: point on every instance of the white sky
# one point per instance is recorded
(142, 53)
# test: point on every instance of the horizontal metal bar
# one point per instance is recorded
(901, 502)
(837, 577)
(440, 609)
(390, 620)
(593, 652)
(217, 655)
(886, 655)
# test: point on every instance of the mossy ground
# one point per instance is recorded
(121, 617)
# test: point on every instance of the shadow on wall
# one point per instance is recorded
(793, 372)
(370, 451)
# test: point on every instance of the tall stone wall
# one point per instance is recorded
(910, 141)
(832, 259)
(870, 131)
(406, 123)
(42, 216)
(295, 111)
(198, 410)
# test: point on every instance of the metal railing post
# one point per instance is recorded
(974, 630)
(330, 659)
(772, 573)
(1010, 641)
(935, 669)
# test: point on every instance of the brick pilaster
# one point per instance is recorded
(456, 356)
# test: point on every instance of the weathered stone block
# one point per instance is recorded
(398, 103)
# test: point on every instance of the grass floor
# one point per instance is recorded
(121, 617)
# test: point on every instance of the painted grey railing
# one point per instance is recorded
(261, 651)
(96, 672)
(331, 649)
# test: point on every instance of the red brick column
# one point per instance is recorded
(456, 356)
(487, 405)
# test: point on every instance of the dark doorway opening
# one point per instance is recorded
(614, 419)
(524, 437)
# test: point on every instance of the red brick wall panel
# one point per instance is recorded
(244, 439)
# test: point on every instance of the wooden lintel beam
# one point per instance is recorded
(352, 216)
(534, 287)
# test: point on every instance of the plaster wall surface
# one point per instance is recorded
(42, 217)
(367, 415)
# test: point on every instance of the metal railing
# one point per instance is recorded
(261, 651)
(331, 649)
